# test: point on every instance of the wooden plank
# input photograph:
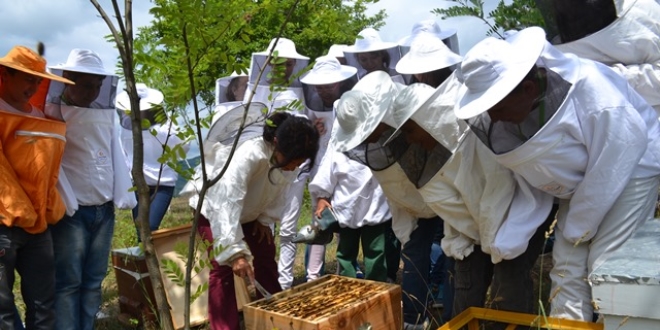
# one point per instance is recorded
(331, 302)
(164, 242)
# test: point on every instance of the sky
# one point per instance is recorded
(63, 25)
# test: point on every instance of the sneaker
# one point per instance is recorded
(359, 274)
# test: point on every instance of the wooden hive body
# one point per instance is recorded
(331, 302)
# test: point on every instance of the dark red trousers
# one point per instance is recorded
(223, 312)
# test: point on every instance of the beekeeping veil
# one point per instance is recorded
(360, 112)
(432, 110)
(223, 87)
(81, 62)
(370, 53)
(272, 88)
(151, 106)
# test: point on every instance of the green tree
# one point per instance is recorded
(222, 35)
(517, 15)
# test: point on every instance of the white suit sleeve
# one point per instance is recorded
(224, 204)
(65, 190)
(528, 211)
(644, 78)
(324, 182)
(615, 139)
(123, 198)
(403, 223)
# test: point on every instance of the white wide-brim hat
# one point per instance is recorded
(84, 61)
(285, 48)
(493, 68)
(337, 50)
(328, 70)
(427, 54)
(149, 98)
(225, 125)
(430, 27)
(368, 40)
(360, 110)
(412, 98)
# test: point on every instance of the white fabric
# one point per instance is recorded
(328, 70)
(245, 193)
(284, 48)
(337, 51)
(149, 98)
(573, 262)
(472, 192)
(368, 40)
(426, 27)
(152, 151)
(493, 68)
(360, 110)
(274, 99)
(600, 137)
(85, 61)
(94, 169)
(4, 106)
(630, 45)
(288, 228)
(427, 53)
(356, 197)
(406, 204)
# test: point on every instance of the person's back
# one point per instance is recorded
(627, 40)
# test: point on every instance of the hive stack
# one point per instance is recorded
(331, 302)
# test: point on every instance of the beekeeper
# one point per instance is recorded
(361, 130)
(95, 166)
(461, 181)
(628, 42)
(370, 53)
(283, 70)
(239, 209)
(323, 85)
(230, 91)
(574, 129)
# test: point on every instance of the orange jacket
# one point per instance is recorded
(31, 150)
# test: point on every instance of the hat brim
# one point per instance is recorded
(46, 75)
(444, 34)
(471, 104)
(283, 55)
(123, 101)
(432, 62)
(411, 109)
(230, 121)
(345, 140)
(83, 70)
(382, 45)
(224, 81)
(313, 78)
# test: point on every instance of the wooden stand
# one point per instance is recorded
(331, 302)
(136, 298)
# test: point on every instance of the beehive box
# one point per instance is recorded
(331, 302)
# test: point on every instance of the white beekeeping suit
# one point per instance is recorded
(630, 45)
(94, 166)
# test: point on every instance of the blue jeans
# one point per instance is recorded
(160, 202)
(31, 255)
(82, 245)
(416, 255)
